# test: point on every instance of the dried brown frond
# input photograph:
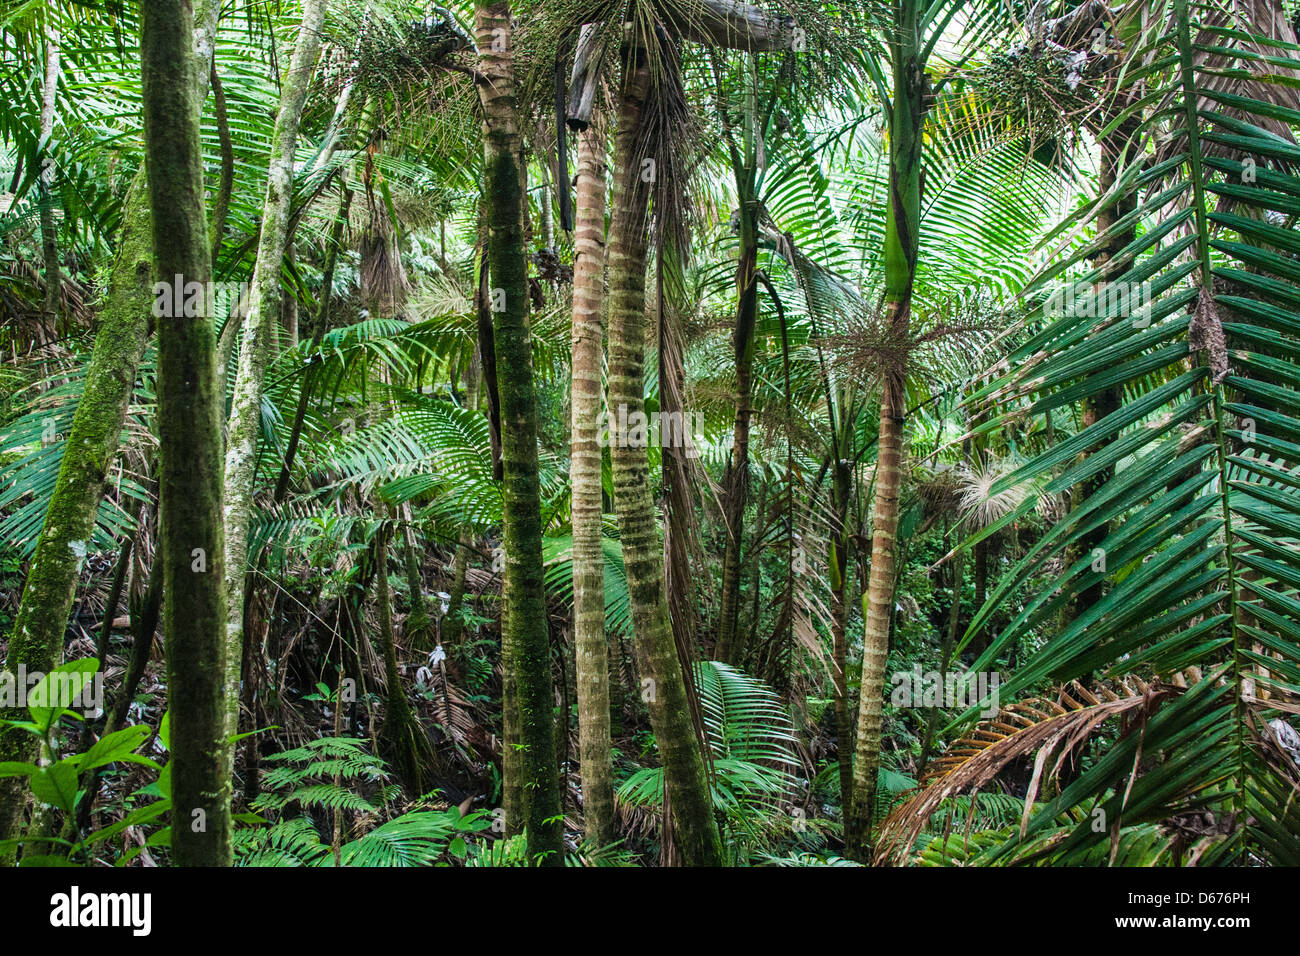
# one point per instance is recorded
(947, 340)
(1206, 335)
(1035, 726)
(939, 487)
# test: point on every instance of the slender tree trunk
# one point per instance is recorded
(49, 228)
(191, 546)
(591, 650)
(37, 641)
(221, 206)
(685, 776)
(259, 327)
(841, 475)
(402, 737)
(945, 650)
(526, 629)
(737, 478)
(452, 625)
(288, 310)
(319, 328)
(902, 223)
(418, 624)
(89, 779)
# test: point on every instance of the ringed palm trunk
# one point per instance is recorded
(685, 778)
(902, 222)
(592, 653)
(259, 328)
(189, 408)
(123, 330)
(525, 629)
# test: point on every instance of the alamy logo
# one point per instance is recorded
(953, 689)
(660, 429)
(209, 300)
(76, 909)
(1102, 300)
(62, 690)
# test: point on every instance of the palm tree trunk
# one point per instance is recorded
(189, 409)
(592, 653)
(902, 222)
(839, 572)
(685, 776)
(259, 327)
(737, 477)
(526, 630)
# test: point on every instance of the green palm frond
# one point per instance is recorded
(1192, 477)
(31, 452)
(557, 553)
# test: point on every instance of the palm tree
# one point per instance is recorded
(587, 494)
(685, 776)
(913, 29)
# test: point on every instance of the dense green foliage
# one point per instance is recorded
(960, 527)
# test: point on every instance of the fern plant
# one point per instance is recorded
(338, 775)
(752, 745)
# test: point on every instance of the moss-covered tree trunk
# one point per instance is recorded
(191, 546)
(259, 328)
(524, 591)
(591, 650)
(92, 441)
(37, 637)
(685, 776)
(903, 219)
